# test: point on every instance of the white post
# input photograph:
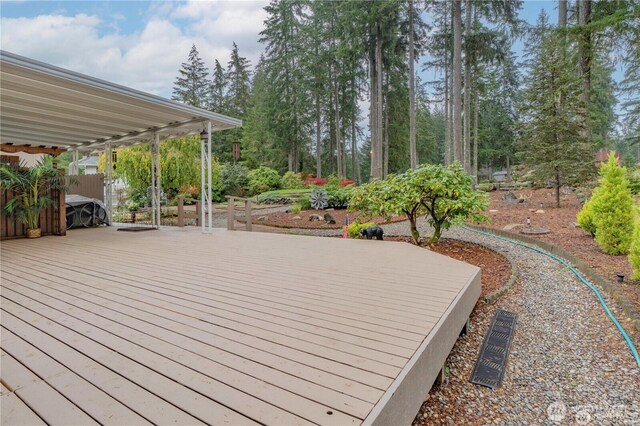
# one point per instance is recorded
(202, 185)
(209, 203)
(158, 184)
(108, 169)
(74, 170)
(152, 148)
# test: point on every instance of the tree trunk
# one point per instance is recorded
(457, 81)
(557, 189)
(355, 168)
(413, 152)
(586, 53)
(467, 90)
(377, 147)
(385, 133)
(318, 140)
(447, 98)
(414, 229)
(339, 147)
(562, 13)
(476, 106)
(372, 111)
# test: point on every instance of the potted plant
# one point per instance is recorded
(31, 188)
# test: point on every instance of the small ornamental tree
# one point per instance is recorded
(613, 211)
(263, 179)
(444, 194)
(634, 251)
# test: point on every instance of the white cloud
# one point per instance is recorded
(147, 59)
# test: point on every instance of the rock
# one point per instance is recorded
(493, 211)
(329, 219)
(539, 211)
(314, 218)
(296, 218)
(262, 218)
(288, 210)
(534, 230)
(512, 226)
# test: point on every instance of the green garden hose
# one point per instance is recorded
(626, 337)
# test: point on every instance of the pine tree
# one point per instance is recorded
(192, 86)
(238, 80)
(634, 251)
(218, 102)
(553, 140)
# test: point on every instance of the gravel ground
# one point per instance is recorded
(568, 363)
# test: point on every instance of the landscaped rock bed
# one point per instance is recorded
(564, 232)
(567, 356)
(301, 220)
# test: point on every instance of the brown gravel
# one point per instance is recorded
(564, 232)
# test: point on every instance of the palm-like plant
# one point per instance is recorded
(31, 188)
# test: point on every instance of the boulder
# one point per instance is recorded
(262, 218)
(329, 219)
(314, 218)
(296, 218)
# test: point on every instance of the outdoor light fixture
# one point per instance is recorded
(204, 136)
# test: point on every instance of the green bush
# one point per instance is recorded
(304, 202)
(585, 218)
(613, 211)
(333, 180)
(292, 180)
(234, 179)
(339, 196)
(296, 209)
(634, 180)
(444, 194)
(263, 179)
(354, 229)
(634, 251)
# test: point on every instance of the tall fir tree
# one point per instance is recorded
(192, 86)
(218, 97)
(554, 141)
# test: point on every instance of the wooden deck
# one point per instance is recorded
(179, 327)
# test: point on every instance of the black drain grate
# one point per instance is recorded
(137, 228)
(489, 368)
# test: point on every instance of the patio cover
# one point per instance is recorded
(44, 108)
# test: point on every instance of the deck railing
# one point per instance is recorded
(187, 214)
(231, 212)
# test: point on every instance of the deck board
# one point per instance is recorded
(230, 328)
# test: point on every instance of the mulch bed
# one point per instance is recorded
(496, 269)
(564, 232)
(286, 220)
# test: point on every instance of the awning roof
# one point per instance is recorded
(46, 106)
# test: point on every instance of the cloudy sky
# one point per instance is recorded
(135, 43)
(141, 44)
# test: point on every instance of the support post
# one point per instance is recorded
(74, 170)
(202, 184)
(231, 213)
(155, 180)
(247, 214)
(198, 212)
(108, 166)
(180, 211)
(209, 202)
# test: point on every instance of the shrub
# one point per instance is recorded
(305, 203)
(613, 211)
(263, 179)
(333, 180)
(634, 251)
(444, 194)
(354, 228)
(234, 179)
(292, 180)
(339, 197)
(314, 181)
(585, 218)
(347, 182)
(634, 180)
(296, 209)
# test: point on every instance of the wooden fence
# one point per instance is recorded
(91, 186)
(53, 220)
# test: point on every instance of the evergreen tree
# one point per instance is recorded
(192, 86)
(553, 138)
(218, 101)
(238, 82)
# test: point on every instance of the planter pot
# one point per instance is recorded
(620, 277)
(33, 233)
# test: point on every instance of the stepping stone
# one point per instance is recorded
(534, 230)
(512, 226)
